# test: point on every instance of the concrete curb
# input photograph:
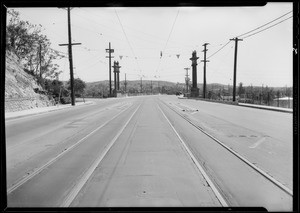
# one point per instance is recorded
(19, 114)
(266, 108)
(251, 106)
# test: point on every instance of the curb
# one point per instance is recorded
(272, 109)
(251, 106)
(46, 111)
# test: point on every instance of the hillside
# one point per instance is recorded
(20, 87)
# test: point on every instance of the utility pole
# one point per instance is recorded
(141, 85)
(125, 83)
(118, 76)
(115, 78)
(204, 70)
(158, 86)
(40, 57)
(194, 89)
(261, 97)
(278, 98)
(70, 57)
(109, 51)
(187, 79)
(235, 62)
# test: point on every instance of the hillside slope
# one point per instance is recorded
(20, 87)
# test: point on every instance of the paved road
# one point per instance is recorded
(264, 137)
(142, 151)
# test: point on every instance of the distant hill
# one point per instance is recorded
(134, 86)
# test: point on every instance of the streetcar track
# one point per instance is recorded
(76, 189)
(22, 117)
(257, 169)
(66, 150)
(200, 168)
(118, 105)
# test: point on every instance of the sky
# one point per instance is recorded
(139, 35)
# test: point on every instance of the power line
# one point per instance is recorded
(127, 40)
(168, 37)
(267, 27)
(219, 49)
(171, 30)
(255, 32)
(132, 29)
(264, 24)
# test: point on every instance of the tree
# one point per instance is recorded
(79, 86)
(56, 88)
(32, 47)
(241, 90)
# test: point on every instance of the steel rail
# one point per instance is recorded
(200, 168)
(76, 189)
(66, 150)
(263, 173)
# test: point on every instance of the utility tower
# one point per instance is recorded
(204, 70)
(194, 89)
(116, 77)
(125, 83)
(141, 84)
(234, 68)
(109, 51)
(40, 58)
(70, 56)
(187, 79)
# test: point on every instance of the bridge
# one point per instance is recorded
(151, 151)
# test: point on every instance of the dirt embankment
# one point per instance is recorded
(21, 88)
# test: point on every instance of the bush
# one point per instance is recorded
(65, 100)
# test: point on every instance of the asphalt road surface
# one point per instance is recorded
(151, 151)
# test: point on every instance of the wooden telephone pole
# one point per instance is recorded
(204, 70)
(187, 79)
(109, 51)
(234, 69)
(40, 57)
(70, 57)
(141, 84)
(125, 83)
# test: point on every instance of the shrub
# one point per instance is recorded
(65, 100)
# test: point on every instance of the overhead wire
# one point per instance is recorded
(255, 30)
(267, 28)
(133, 29)
(168, 37)
(219, 49)
(127, 40)
(263, 25)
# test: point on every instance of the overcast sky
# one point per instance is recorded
(139, 35)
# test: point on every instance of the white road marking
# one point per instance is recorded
(71, 196)
(256, 144)
(211, 184)
(189, 108)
